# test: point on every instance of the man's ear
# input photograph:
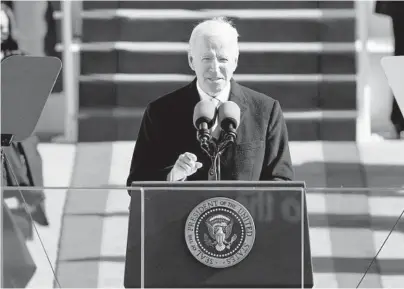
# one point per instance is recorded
(235, 63)
(190, 61)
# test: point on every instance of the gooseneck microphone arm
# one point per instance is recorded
(229, 138)
(203, 118)
(204, 136)
(205, 114)
(229, 119)
(231, 133)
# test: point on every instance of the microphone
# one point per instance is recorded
(229, 119)
(204, 118)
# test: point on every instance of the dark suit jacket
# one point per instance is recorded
(261, 151)
(393, 9)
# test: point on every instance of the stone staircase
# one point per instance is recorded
(301, 53)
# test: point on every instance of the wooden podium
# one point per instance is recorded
(218, 234)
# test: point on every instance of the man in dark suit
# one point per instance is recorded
(395, 9)
(167, 147)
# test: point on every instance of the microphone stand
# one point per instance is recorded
(213, 150)
(208, 146)
(229, 139)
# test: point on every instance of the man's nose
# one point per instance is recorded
(214, 65)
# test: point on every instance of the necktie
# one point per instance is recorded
(215, 130)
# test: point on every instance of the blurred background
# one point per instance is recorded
(307, 60)
(320, 59)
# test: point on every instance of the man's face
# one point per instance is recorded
(214, 60)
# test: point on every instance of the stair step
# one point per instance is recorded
(250, 30)
(265, 62)
(302, 53)
(176, 77)
(117, 126)
(298, 115)
(327, 130)
(312, 115)
(196, 5)
(177, 14)
(292, 95)
(178, 47)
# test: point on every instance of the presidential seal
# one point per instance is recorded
(219, 232)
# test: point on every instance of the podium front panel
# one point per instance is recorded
(275, 259)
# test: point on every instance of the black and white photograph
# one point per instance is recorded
(202, 144)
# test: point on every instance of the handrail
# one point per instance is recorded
(363, 97)
(69, 75)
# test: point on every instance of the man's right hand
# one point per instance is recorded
(185, 166)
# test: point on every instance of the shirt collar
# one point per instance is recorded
(223, 96)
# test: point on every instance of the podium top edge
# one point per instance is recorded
(232, 184)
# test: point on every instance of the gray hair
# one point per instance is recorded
(217, 26)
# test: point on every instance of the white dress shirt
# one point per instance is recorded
(222, 97)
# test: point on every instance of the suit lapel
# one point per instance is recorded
(237, 95)
(193, 96)
(189, 100)
(184, 118)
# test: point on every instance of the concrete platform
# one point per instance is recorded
(86, 240)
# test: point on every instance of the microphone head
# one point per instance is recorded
(204, 111)
(229, 113)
